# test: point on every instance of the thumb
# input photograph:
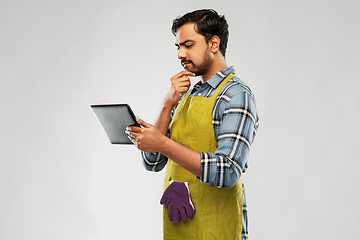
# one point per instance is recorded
(163, 200)
(142, 123)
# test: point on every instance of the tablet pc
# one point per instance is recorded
(114, 118)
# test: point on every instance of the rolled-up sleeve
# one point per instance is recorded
(237, 123)
(154, 162)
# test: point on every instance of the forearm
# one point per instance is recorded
(179, 84)
(180, 154)
(149, 139)
(163, 119)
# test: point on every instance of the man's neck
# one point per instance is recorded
(217, 65)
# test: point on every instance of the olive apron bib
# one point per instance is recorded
(218, 210)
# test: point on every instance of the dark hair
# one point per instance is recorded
(207, 23)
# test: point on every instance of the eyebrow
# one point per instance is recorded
(183, 43)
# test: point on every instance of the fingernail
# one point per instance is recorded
(127, 132)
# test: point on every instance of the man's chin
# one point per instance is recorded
(196, 73)
(190, 69)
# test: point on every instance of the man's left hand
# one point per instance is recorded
(146, 138)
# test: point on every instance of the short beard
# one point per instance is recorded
(204, 67)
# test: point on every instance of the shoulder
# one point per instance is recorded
(235, 95)
(235, 88)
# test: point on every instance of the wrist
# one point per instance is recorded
(168, 105)
(162, 144)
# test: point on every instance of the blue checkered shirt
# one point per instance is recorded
(235, 121)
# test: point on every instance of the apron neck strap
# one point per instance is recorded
(222, 84)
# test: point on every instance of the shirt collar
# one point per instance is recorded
(215, 80)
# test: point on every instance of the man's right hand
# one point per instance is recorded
(179, 84)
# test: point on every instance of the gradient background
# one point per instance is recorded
(61, 179)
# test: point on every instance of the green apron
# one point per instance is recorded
(218, 210)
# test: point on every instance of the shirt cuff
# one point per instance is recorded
(206, 175)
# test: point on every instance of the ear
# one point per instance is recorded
(214, 44)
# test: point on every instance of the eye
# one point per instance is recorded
(188, 45)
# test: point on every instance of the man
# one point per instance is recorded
(202, 135)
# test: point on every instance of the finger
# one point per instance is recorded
(182, 80)
(133, 129)
(176, 216)
(183, 73)
(170, 212)
(132, 135)
(190, 211)
(163, 199)
(133, 138)
(135, 142)
(183, 214)
(142, 122)
(183, 90)
(187, 73)
(184, 83)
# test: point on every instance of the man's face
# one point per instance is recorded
(194, 51)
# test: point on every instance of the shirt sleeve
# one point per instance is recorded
(237, 123)
(154, 162)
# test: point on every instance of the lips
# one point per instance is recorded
(185, 63)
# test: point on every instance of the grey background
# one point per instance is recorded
(61, 179)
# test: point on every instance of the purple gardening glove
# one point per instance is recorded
(177, 197)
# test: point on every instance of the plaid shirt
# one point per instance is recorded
(235, 123)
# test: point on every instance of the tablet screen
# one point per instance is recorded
(114, 118)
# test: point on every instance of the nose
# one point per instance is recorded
(181, 53)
